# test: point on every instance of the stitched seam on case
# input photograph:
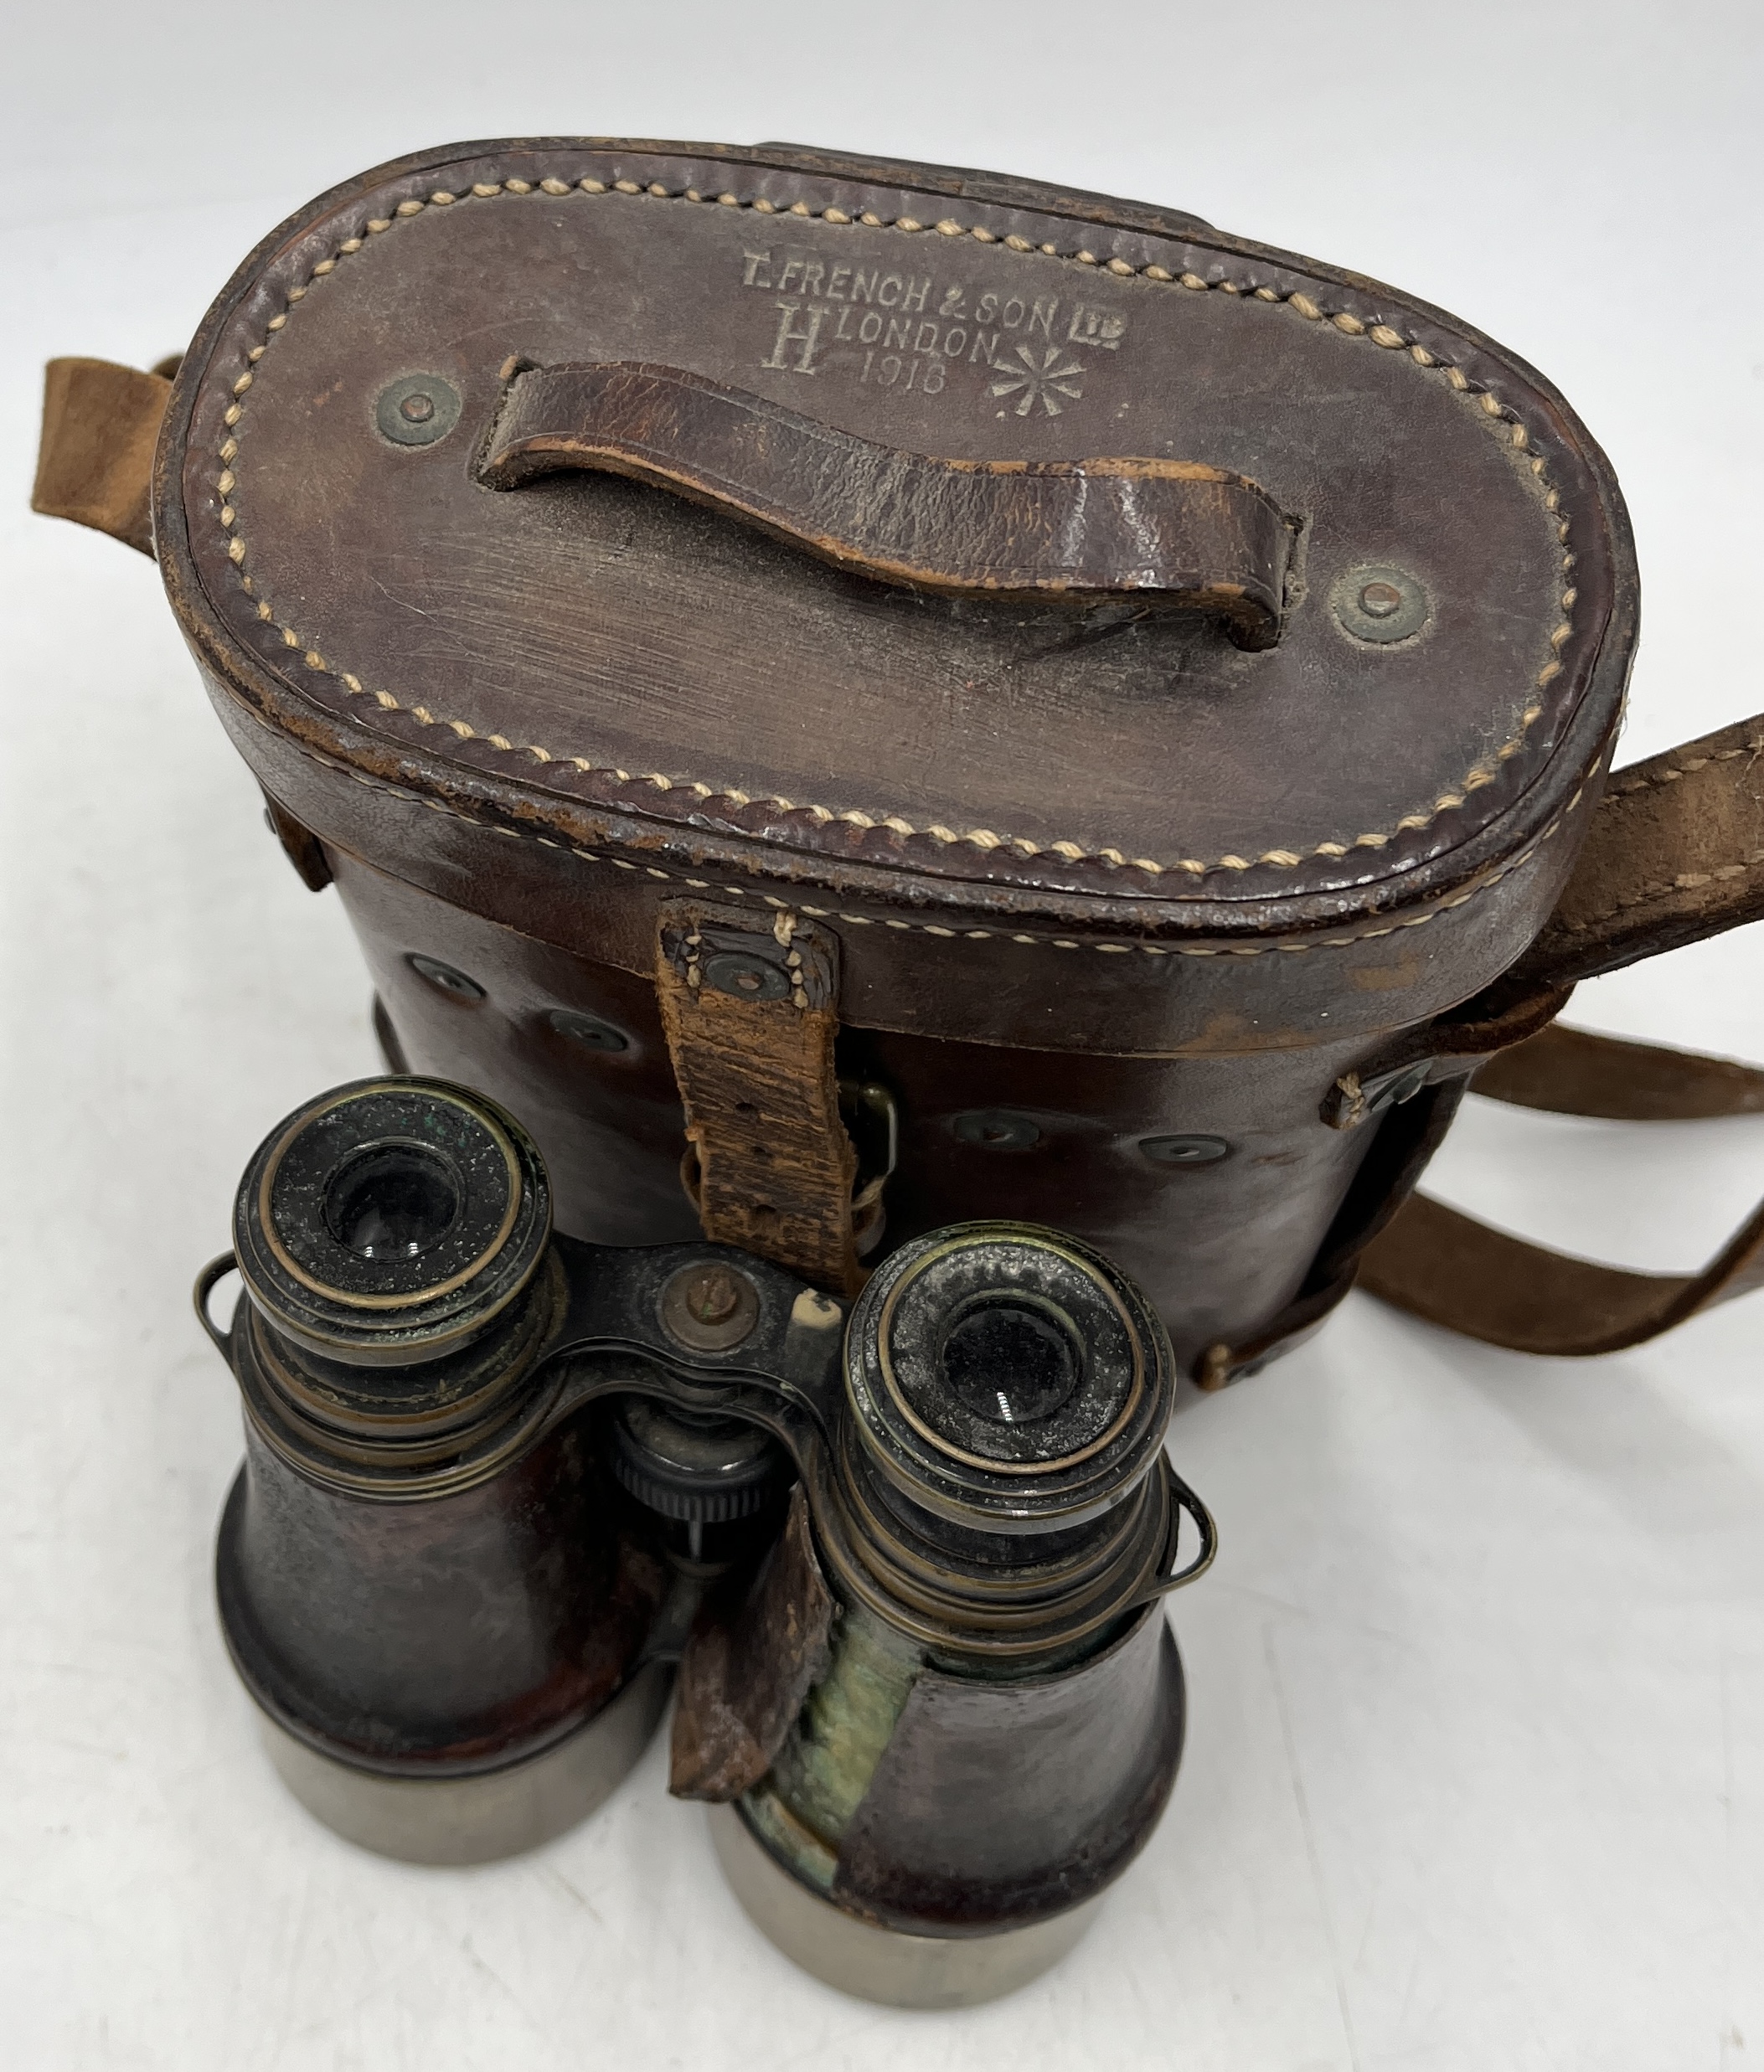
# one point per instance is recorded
(1483, 772)
(958, 935)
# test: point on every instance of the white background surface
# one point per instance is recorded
(1476, 1772)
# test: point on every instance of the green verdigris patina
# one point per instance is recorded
(803, 1805)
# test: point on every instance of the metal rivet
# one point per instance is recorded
(996, 1129)
(1377, 603)
(417, 410)
(446, 979)
(1184, 1150)
(587, 1030)
(745, 976)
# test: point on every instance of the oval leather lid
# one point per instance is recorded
(598, 642)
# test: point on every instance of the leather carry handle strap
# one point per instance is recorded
(1170, 532)
(95, 464)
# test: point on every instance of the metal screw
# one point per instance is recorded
(418, 408)
(709, 1307)
(1378, 601)
(714, 1295)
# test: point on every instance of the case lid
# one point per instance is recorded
(1017, 545)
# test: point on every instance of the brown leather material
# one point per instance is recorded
(1397, 1148)
(1674, 852)
(518, 725)
(747, 1670)
(996, 1804)
(100, 423)
(750, 1021)
(1222, 1248)
(1440, 1264)
(565, 678)
(391, 1046)
(1450, 1048)
(1174, 532)
(344, 1613)
(300, 845)
(917, 965)
(1457, 1272)
(1572, 1071)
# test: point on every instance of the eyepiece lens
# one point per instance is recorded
(1011, 1361)
(391, 1202)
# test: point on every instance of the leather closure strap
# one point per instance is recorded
(750, 1020)
(1173, 533)
(100, 423)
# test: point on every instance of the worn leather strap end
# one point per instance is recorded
(1675, 853)
(1450, 1048)
(745, 1674)
(100, 424)
(751, 1018)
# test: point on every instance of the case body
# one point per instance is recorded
(1098, 858)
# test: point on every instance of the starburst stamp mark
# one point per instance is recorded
(1041, 380)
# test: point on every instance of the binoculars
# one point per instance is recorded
(902, 1559)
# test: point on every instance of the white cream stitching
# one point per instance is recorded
(1483, 773)
(972, 934)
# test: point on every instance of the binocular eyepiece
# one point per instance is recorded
(903, 1560)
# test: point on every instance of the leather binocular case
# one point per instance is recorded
(904, 695)
(497, 1482)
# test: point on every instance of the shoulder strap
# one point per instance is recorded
(1454, 1271)
(1570, 1071)
(100, 423)
(1676, 854)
